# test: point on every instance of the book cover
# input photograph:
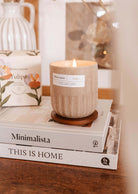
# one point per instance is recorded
(107, 160)
(20, 78)
(33, 126)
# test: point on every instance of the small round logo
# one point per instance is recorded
(105, 161)
(95, 143)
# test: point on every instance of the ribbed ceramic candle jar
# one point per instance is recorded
(74, 90)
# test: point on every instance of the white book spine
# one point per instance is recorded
(54, 138)
(49, 155)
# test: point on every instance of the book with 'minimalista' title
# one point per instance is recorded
(33, 126)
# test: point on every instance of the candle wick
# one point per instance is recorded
(74, 63)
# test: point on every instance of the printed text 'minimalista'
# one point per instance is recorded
(36, 138)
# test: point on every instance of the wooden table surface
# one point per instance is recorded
(25, 177)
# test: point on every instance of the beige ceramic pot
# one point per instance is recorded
(74, 90)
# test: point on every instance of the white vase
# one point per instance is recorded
(16, 33)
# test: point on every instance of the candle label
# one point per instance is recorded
(72, 81)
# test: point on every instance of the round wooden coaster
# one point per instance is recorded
(79, 122)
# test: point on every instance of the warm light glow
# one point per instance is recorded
(74, 63)
(104, 52)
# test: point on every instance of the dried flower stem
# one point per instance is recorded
(103, 6)
(88, 7)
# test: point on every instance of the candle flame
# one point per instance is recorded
(74, 63)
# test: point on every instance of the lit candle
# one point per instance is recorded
(74, 88)
(74, 63)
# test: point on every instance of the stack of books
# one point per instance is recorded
(29, 133)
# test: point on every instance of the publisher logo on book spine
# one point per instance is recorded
(95, 143)
(105, 161)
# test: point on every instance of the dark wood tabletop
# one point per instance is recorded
(21, 177)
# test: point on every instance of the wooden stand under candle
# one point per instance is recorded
(74, 88)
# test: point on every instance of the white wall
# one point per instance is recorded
(1, 11)
(51, 34)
